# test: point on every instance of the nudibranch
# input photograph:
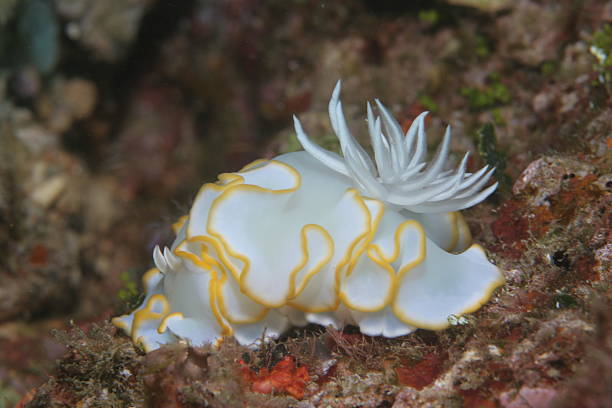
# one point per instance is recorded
(317, 237)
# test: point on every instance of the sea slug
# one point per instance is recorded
(317, 237)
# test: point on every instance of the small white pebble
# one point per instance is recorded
(494, 350)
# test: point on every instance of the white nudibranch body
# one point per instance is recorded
(315, 237)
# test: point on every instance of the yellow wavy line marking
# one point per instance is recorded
(146, 314)
(370, 233)
(224, 309)
(343, 262)
(293, 291)
(164, 323)
(374, 256)
(253, 164)
(490, 289)
(119, 323)
(176, 227)
(219, 236)
(469, 309)
(208, 264)
(396, 241)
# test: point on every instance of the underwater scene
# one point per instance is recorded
(305, 203)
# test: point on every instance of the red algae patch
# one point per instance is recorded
(422, 373)
(284, 377)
